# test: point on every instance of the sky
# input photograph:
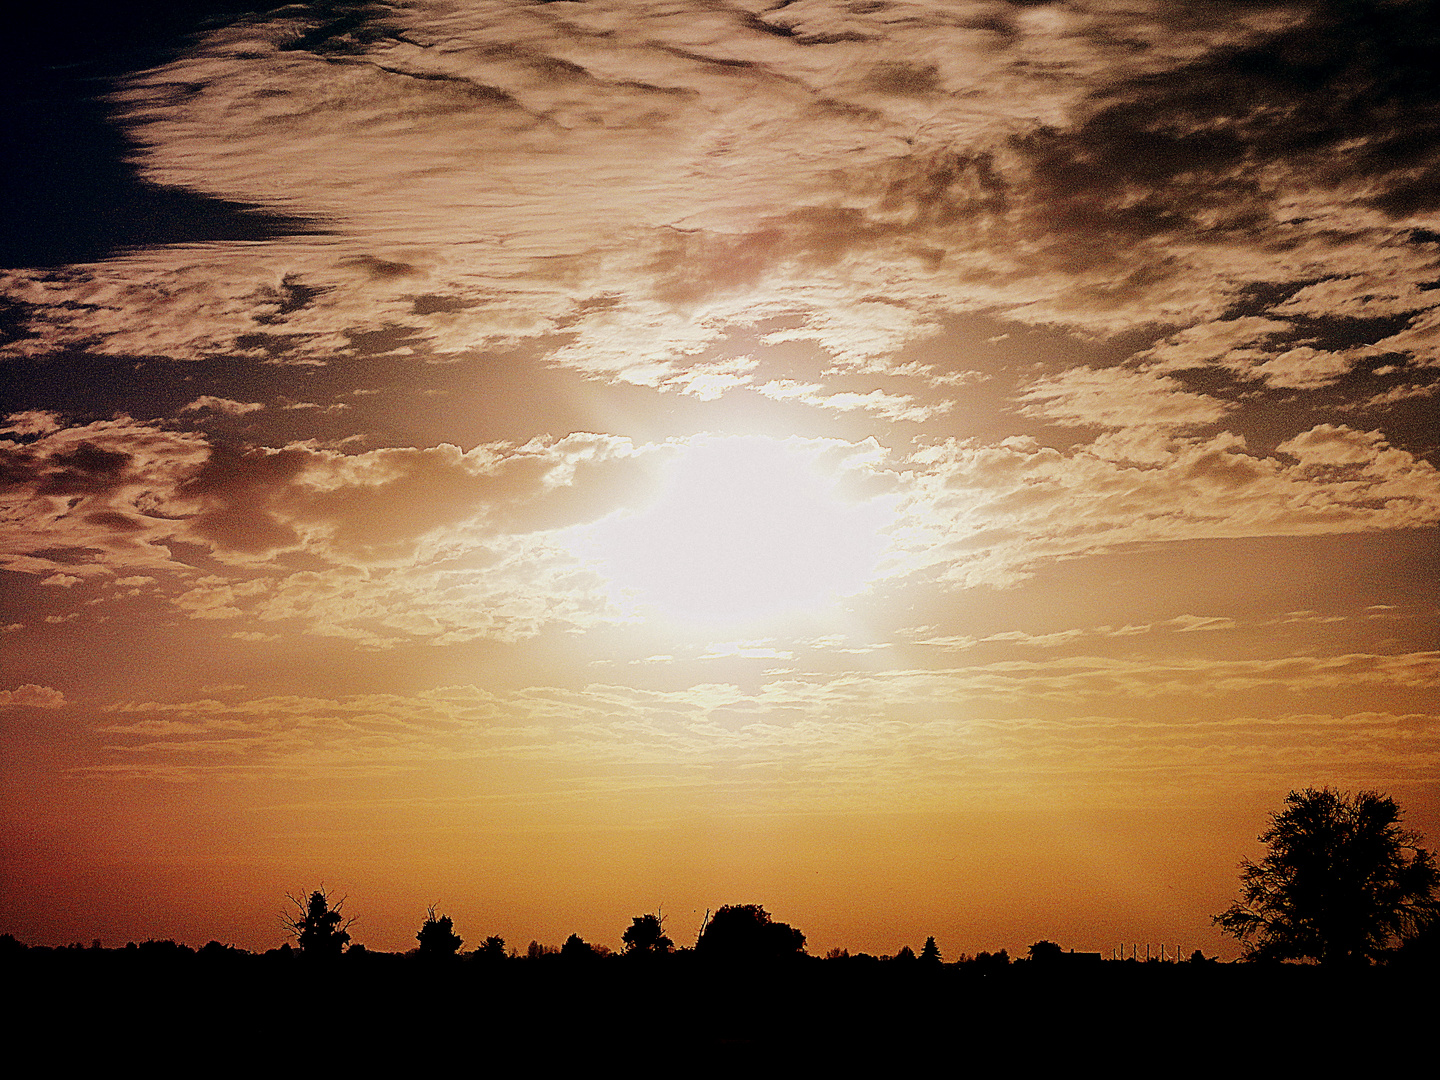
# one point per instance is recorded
(927, 468)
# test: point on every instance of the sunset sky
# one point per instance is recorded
(924, 467)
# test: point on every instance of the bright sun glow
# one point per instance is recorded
(744, 529)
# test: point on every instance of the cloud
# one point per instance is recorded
(34, 696)
(708, 381)
(1273, 351)
(1119, 398)
(750, 650)
(824, 740)
(984, 514)
(296, 406)
(1404, 392)
(1186, 624)
(438, 543)
(1061, 638)
(1336, 445)
(104, 490)
(893, 407)
(671, 174)
(207, 402)
(446, 544)
(31, 422)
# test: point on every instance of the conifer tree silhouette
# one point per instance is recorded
(931, 952)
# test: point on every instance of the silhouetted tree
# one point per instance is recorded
(167, 949)
(906, 955)
(1045, 952)
(318, 926)
(746, 932)
(930, 954)
(1341, 882)
(1420, 952)
(987, 962)
(576, 948)
(214, 951)
(646, 936)
(437, 937)
(491, 949)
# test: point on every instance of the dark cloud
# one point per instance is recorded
(290, 296)
(68, 556)
(1348, 99)
(236, 488)
(337, 28)
(382, 269)
(110, 519)
(86, 470)
(903, 78)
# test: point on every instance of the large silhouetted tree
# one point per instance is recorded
(437, 936)
(746, 932)
(1342, 882)
(318, 926)
(646, 936)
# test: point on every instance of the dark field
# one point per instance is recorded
(167, 1008)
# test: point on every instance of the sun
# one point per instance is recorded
(745, 529)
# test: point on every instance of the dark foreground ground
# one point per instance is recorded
(227, 1011)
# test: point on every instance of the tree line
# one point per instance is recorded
(1342, 884)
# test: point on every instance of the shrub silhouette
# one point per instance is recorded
(437, 936)
(746, 932)
(318, 927)
(1341, 882)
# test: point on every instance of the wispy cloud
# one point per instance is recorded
(210, 403)
(921, 732)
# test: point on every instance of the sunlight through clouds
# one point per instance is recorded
(742, 530)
